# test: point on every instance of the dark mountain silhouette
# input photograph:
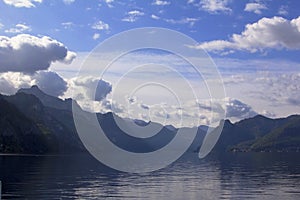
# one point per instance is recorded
(34, 122)
(19, 134)
(56, 124)
(47, 100)
(261, 134)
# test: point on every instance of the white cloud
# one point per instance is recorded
(6, 87)
(215, 6)
(237, 109)
(132, 16)
(12, 81)
(267, 33)
(283, 10)
(22, 3)
(27, 53)
(255, 7)
(280, 89)
(109, 3)
(244, 80)
(161, 3)
(100, 25)
(187, 20)
(49, 82)
(192, 113)
(155, 17)
(82, 88)
(135, 12)
(67, 25)
(1, 25)
(68, 2)
(19, 28)
(96, 36)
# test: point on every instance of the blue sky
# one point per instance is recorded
(59, 20)
(254, 43)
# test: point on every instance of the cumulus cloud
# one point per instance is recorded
(267, 33)
(19, 28)
(22, 3)
(133, 15)
(255, 7)
(6, 87)
(51, 83)
(106, 105)
(27, 53)
(100, 25)
(103, 89)
(82, 88)
(238, 109)
(235, 109)
(15, 81)
(215, 6)
(161, 3)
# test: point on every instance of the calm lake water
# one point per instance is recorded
(230, 176)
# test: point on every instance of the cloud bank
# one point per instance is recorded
(48, 81)
(267, 33)
(27, 53)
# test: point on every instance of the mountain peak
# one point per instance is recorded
(35, 90)
(47, 100)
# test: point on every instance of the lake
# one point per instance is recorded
(228, 176)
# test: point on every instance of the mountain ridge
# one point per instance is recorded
(52, 126)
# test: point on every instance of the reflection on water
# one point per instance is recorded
(229, 176)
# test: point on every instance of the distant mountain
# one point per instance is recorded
(34, 122)
(53, 117)
(261, 134)
(283, 138)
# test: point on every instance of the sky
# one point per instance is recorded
(254, 44)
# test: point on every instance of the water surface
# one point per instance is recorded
(229, 176)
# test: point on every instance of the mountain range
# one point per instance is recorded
(33, 122)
